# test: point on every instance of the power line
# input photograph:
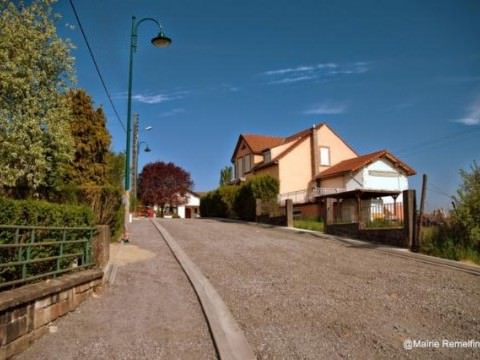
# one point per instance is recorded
(437, 141)
(96, 66)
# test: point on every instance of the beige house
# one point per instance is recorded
(315, 162)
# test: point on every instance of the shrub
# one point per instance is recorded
(39, 213)
(43, 213)
(263, 187)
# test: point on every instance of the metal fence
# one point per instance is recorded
(373, 213)
(30, 253)
(378, 214)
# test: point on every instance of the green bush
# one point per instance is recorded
(448, 240)
(105, 202)
(43, 213)
(212, 205)
(263, 187)
(233, 201)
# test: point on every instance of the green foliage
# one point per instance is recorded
(447, 240)
(92, 141)
(245, 202)
(309, 224)
(43, 213)
(226, 175)
(40, 213)
(234, 201)
(467, 206)
(35, 69)
(212, 205)
(263, 187)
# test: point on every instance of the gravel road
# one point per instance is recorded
(298, 296)
(150, 312)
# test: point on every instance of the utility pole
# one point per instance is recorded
(416, 246)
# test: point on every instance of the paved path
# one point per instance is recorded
(150, 311)
(298, 296)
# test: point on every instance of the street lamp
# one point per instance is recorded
(159, 41)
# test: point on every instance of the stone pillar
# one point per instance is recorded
(101, 246)
(289, 212)
(409, 219)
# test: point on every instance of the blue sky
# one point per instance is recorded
(396, 75)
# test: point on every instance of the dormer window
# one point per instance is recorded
(267, 156)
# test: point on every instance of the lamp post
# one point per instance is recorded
(135, 167)
(159, 41)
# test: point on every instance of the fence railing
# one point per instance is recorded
(303, 196)
(371, 214)
(30, 253)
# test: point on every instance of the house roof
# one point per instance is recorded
(274, 161)
(355, 164)
(258, 143)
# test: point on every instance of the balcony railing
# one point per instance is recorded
(302, 196)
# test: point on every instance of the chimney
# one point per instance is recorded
(314, 151)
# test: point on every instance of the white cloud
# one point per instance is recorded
(325, 71)
(292, 79)
(326, 108)
(473, 114)
(158, 98)
(172, 112)
(298, 69)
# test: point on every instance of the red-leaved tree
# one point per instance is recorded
(161, 183)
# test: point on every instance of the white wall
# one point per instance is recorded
(181, 211)
(192, 200)
(379, 175)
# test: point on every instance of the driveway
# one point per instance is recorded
(298, 296)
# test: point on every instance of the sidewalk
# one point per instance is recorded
(149, 312)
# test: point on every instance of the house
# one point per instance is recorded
(187, 206)
(316, 163)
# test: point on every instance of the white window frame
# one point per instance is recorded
(324, 156)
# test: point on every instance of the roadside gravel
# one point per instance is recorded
(297, 296)
(150, 312)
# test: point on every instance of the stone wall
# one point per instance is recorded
(386, 236)
(26, 312)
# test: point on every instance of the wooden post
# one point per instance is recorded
(289, 212)
(416, 246)
(409, 217)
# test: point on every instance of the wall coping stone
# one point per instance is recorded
(28, 293)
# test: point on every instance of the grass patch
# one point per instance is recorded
(442, 242)
(309, 224)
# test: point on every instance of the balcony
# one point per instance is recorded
(303, 196)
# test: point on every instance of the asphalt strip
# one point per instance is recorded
(229, 339)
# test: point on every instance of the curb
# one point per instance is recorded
(229, 339)
(399, 252)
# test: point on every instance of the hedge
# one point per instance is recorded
(43, 213)
(239, 201)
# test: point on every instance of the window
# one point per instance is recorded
(324, 156)
(247, 163)
(239, 168)
(267, 156)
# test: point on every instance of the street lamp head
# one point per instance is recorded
(148, 128)
(147, 149)
(161, 40)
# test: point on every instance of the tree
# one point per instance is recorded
(161, 183)
(92, 141)
(226, 175)
(467, 205)
(35, 70)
